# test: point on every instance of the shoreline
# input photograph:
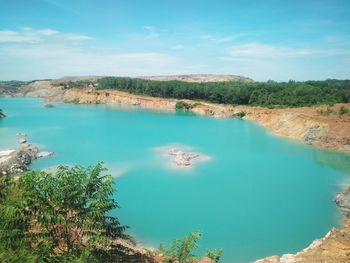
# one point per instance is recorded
(303, 124)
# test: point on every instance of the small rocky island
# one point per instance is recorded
(17, 161)
(181, 158)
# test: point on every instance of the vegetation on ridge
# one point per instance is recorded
(268, 94)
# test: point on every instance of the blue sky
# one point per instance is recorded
(261, 39)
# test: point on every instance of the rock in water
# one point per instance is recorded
(43, 154)
(342, 200)
(17, 161)
(182, 158)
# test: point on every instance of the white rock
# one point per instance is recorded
(6, 153)
(43, 154)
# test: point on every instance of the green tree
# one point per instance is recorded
(270, 93)
(60, 217)
(181, 250)
(214, 254)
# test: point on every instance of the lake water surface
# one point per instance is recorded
(258, 195)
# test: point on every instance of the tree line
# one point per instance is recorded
(267, 94)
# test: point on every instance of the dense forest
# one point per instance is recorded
(268, 94)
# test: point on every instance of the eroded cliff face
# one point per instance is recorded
(115, 97)
(306, 125)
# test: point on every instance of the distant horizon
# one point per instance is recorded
(278, 40)
(167, 75)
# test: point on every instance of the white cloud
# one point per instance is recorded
(15, 37)
(29, 35)
(260, 51)
(216, 39)
(152, 31)
(48, 32)
(53, 60)
(179, 46)
(264, 61)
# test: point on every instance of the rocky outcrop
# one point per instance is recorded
(181, 158)
(17, 161)
(117, 97)
(342, 200)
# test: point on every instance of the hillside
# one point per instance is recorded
(198, 78)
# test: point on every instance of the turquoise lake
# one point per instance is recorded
(257, 195)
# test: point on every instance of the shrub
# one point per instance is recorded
(49, 105)
(181, 105)
(343, 111)
(240, 114)
(60, 217)
(326, 112)
(181, 250)
(214, 254)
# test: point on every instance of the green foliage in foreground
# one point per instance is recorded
(214, 254)
(64, 217)
(181, 250)
(61, 217)
(267, 94)
(2, 115)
